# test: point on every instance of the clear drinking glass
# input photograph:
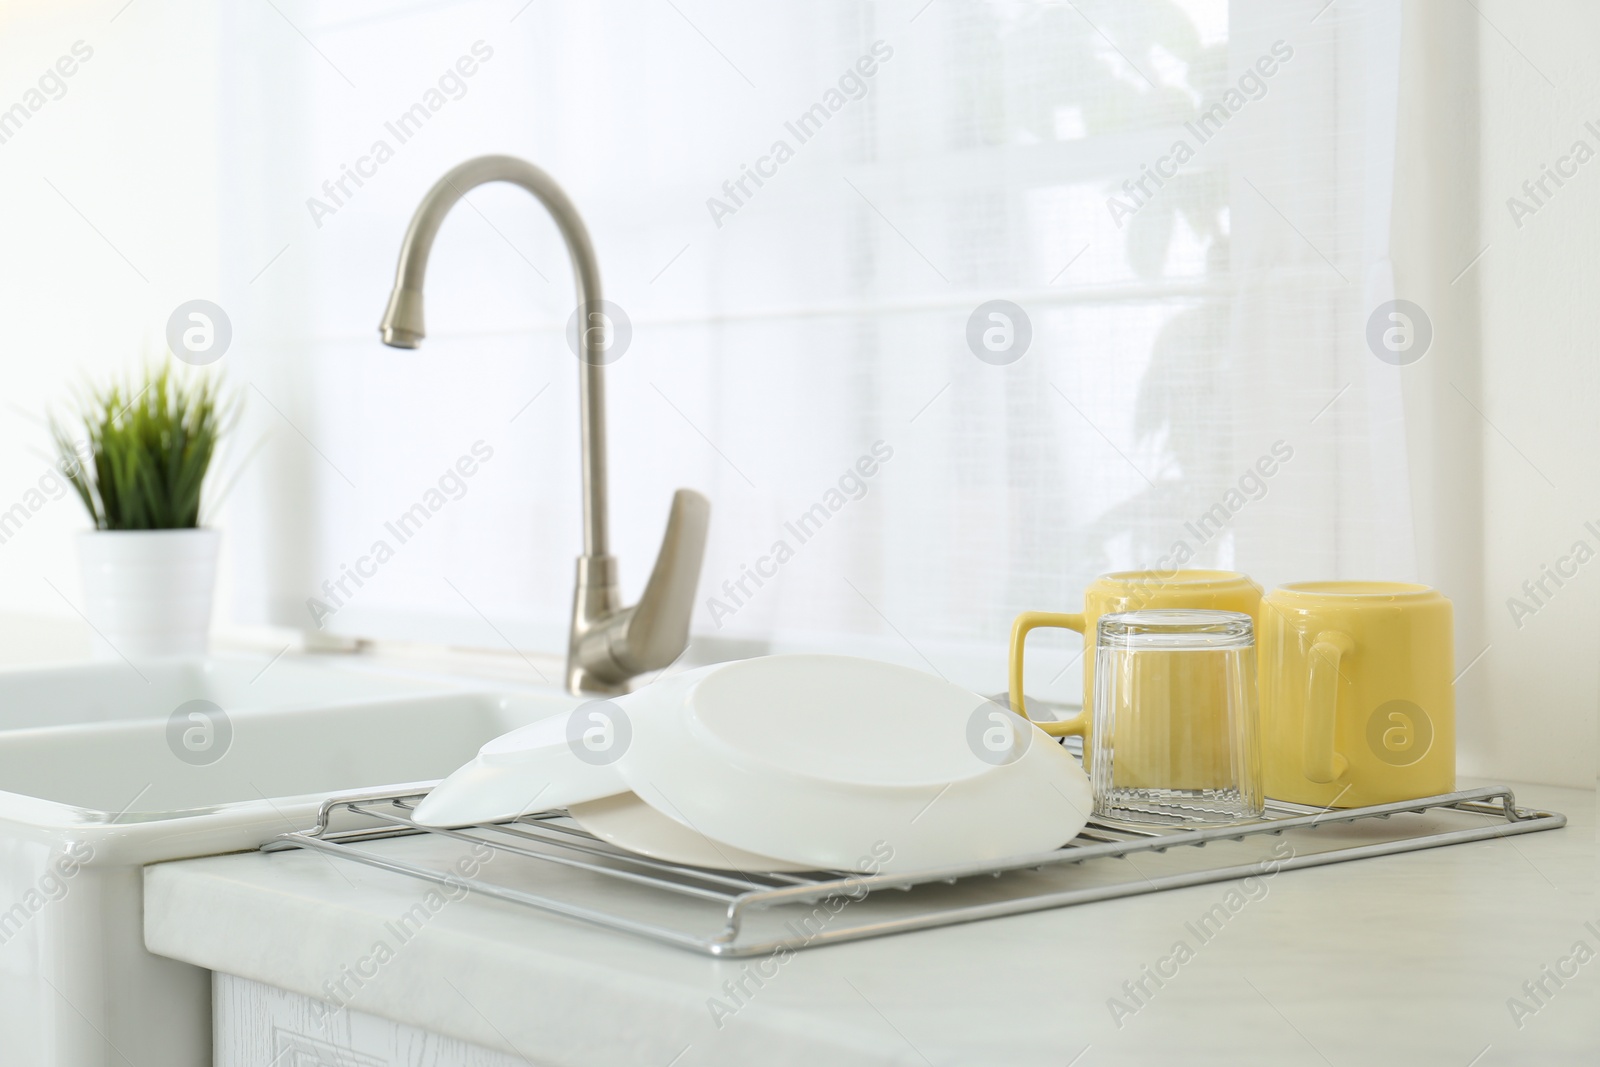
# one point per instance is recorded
(1176, 736)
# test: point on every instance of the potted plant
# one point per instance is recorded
(139, 465)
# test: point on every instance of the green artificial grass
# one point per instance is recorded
(147, 452)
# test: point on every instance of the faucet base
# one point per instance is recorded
(611, 644)
(581, 684)
(596, 598)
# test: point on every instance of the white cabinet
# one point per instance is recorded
(258, 1025)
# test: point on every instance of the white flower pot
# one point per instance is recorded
(148, 592)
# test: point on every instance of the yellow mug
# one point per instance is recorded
(1357, 693)
(1126, 591)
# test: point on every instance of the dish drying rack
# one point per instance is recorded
(545, 861)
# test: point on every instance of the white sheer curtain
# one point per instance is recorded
(1187, 336)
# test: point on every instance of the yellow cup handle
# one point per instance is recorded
(1032, 620)
(1321, 762)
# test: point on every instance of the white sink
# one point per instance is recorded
(112, 691)
(98, 778)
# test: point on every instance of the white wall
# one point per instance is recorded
(1539, 287)
(1502, 405)
(1501, 409)
(110, 198)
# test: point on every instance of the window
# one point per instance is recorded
(806, 212)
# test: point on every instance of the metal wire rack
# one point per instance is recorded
(547, 862)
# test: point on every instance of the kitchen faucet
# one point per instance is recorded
(609, 644)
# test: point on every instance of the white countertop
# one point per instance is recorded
(1409, 959)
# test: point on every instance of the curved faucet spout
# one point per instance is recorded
(402, 324)
(608, 644)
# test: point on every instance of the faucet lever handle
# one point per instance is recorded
(658, 627)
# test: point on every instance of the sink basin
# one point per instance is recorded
(122, 783)
(105, 768)
(111, 691)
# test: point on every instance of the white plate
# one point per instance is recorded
(542, 765)
(628, 822)
(840, 763)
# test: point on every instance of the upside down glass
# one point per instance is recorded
(1175, 718)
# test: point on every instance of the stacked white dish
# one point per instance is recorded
(796, 762)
